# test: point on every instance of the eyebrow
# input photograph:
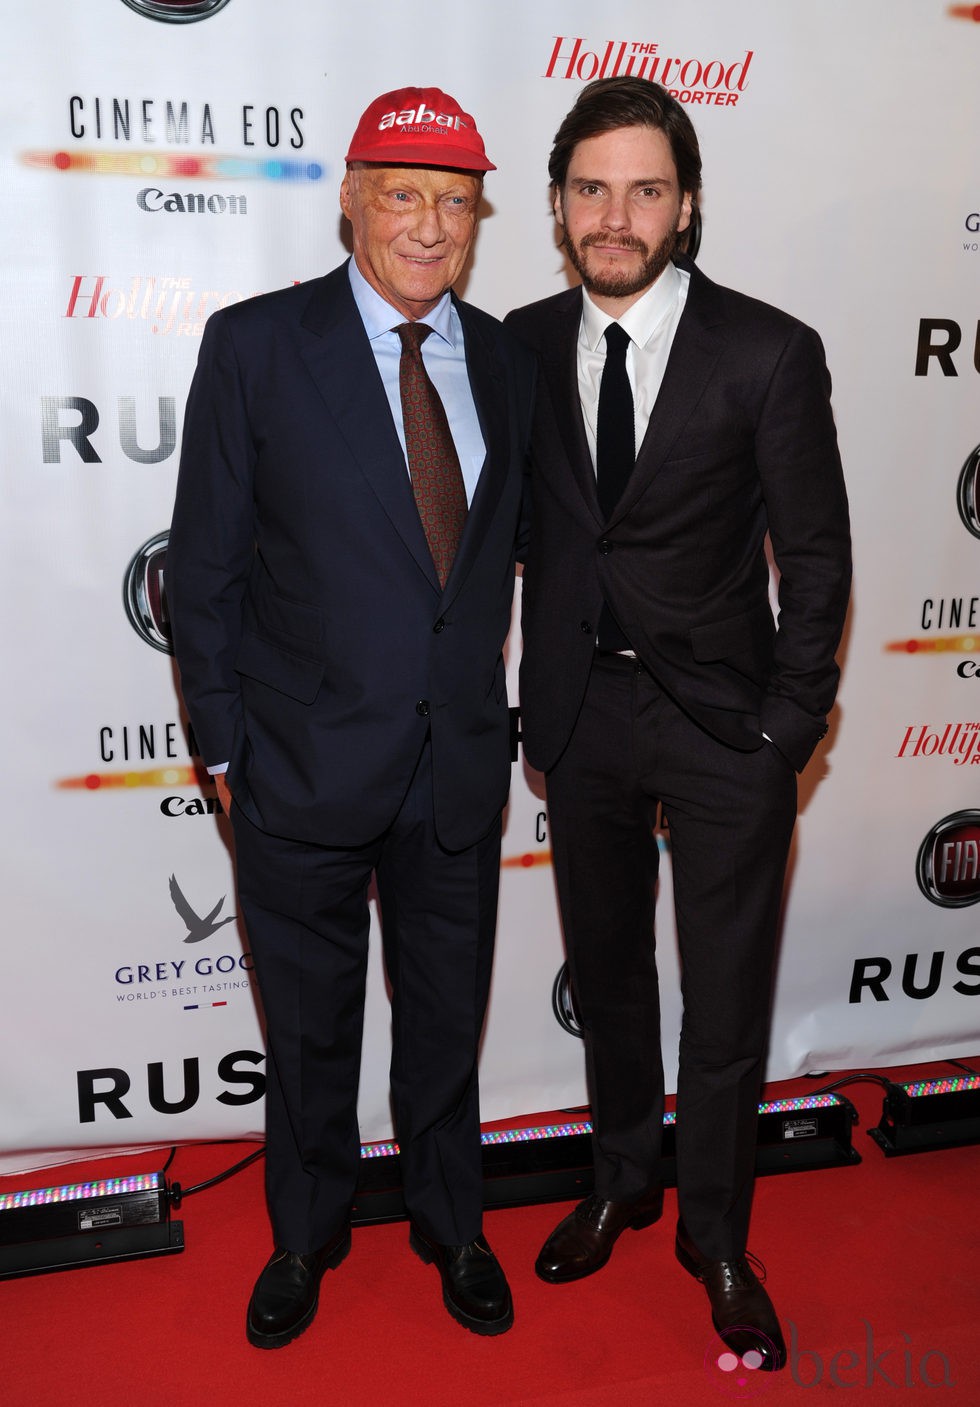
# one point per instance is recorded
(633, 185)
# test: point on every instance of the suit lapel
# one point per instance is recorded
(338, 356)
(489, 395)
(559, 369)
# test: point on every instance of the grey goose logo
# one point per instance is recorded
(176, 11)
(197, 928)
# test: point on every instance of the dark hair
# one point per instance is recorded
(610, 103)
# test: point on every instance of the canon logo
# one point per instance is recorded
(152, 199)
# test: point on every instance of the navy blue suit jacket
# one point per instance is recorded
(316, 648)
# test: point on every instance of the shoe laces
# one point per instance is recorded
(740, 1273)
(756, 1266)
(594, 1207)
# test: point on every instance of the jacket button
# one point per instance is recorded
(422, 708)
(586, 627)
(439, 626)
(605, 546)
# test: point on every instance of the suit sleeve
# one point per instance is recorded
(211, 545)
(806, 505)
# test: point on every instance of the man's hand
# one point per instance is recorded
(224, 792)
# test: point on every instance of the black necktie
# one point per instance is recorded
(437, 481)
(615, 453)
(615, 445)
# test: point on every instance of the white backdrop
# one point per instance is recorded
(153, 171)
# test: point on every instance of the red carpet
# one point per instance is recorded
(873, 1270)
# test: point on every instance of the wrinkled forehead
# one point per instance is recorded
(430, 179)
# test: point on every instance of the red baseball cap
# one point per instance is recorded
(419, 127)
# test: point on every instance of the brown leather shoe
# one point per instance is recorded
(284, 1301)
(474, 1287)
(741, 1311)
(583, 1242)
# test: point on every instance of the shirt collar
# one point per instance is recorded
(380, 317)
(642, 319)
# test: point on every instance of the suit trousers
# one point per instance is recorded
(306, 908)
(730, 816)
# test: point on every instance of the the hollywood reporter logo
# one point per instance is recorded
(711, 81)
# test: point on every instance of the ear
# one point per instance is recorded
(345, 194)
(556, 206)
(684, 219)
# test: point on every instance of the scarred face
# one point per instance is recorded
(413, 227)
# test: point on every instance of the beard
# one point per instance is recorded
(623, 284)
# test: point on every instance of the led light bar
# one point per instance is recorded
(553, 1162)
(86, 1223)
(928, 1114)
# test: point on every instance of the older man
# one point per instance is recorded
(340, 574)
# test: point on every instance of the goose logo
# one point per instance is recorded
(143, 597)
(198, 928)
(968, 493)
(563, 1003)
(948, 864)
(176, 11)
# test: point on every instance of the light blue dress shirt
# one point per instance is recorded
(444, 356)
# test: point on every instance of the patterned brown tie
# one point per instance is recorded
(433, 463)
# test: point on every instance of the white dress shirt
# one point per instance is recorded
(651, 323)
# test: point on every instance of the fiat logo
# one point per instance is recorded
(143, 598)
(968, 493)
(948, 863)
(176, 11)
(563, 1003)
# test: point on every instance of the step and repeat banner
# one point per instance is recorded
(165, 158)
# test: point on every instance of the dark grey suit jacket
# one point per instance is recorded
(741, 441)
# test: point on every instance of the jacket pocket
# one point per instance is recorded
(751, 632)
(270, 664)
(281, 616)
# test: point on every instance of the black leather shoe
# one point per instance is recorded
(583, 1242)
(286, 1294)
(474, 1288)
(741, 1311)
